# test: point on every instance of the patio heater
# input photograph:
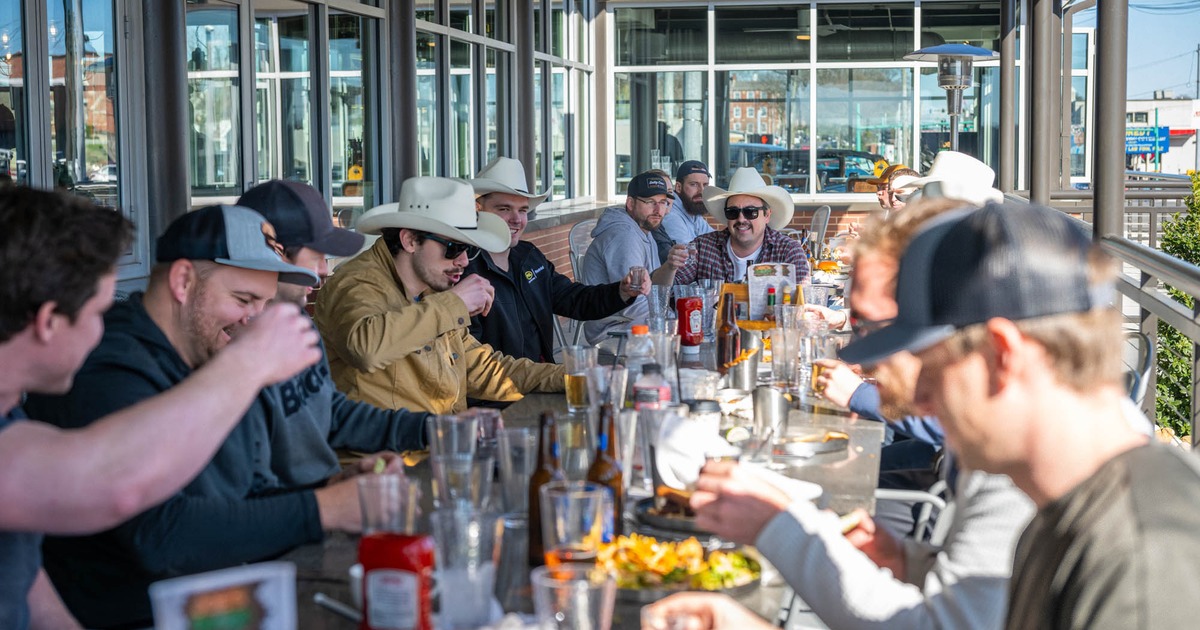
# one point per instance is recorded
(954, 63)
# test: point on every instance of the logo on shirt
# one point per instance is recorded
(532, 274)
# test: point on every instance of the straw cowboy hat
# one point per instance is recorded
(955, 175)
(886, 175)
(440, 205)
(747, 181)
(506, 175)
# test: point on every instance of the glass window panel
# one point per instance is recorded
(282, 98)
(538, 40)
(497, 82)
(353, 114)
(1079, 126)
(427, 104)
(83, 94)
(864, 121)
(427, 10)
(864, 32)
(558, 28)
(14, 138)
(558, 132)
(215, 130)
(460, 15)
(659, 111)
(762, 34)
(580, 21)
(539, 68)
(655, 36)
(496, 20)
(772, 107)
(978, 125)
(976, 23)
(264, 45)
(582, 149)
(461, 111)
(1079, 51)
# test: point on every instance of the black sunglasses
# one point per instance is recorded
(750, 212)
(862, 327)
(454, 249)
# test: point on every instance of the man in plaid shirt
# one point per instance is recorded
(754, 213)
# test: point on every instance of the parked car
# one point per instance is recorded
(789, 168)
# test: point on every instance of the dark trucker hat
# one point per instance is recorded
(300, 217)
(691, 167)
(1011, 260)
(233, 236)
(648, 184)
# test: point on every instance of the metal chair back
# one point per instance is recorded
(816, 231)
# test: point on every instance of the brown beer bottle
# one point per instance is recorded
(548, 469)
(729, 338)
(606, 467)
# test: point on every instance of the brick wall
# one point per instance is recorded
(554, 244)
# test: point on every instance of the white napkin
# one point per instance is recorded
(680, 450)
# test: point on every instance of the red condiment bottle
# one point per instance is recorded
(397, 564)
(691, 320)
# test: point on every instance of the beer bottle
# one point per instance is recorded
(548, 469)
(606, 467)
(729, 338)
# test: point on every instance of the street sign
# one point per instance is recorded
(1147, 139)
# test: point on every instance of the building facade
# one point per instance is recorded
(157, 107)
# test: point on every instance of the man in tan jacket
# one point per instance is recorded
(394, 318)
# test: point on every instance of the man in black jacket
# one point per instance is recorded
(215, 273)
(529, 292)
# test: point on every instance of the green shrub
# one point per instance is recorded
(1173, 392)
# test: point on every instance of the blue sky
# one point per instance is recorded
(1162, 46)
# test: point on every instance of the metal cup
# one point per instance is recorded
(770, 410)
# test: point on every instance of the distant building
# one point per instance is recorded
(1181, 116)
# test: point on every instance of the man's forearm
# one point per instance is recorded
(46, 608)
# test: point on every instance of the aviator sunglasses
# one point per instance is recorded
(453, 248)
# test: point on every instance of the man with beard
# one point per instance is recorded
(688, 217)
(217, 269)
(61, 256)
(868, 578)
(395, 317)
(754, 212)
(529, 293)
(306, 415)
(622, 239)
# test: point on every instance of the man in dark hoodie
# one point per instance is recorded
(307, 416)
(528, 291)
(622, 239)
(218, 267)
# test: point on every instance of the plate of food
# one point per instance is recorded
(668, 510)
(647, 569)
(811, 445)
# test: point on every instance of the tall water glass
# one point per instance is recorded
(710, 293)
(785, 350)
(518, 449)
(389, 503)
(573, 597)
(466, 565)
(575, 517)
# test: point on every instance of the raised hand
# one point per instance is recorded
(477, 293)
(735, 504)
(278, 344)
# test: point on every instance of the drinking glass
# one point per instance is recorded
(573, 597)
(606, 384)
(518, 456)
(461, 479)
(466, 565)
(389, 503)
(576, 361)
(489, 422)
(785, 350)
(710, 292)
(660, 301)
(575, 516)
(637, 277)
(453, 435)
(576, 442)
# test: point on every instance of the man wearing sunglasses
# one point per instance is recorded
(754, 213)
(395, 317)
(622, 239)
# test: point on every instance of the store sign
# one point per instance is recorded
(1147, 139)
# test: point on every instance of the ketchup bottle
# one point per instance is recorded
(397, 578)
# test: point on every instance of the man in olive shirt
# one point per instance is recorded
(1011, 315)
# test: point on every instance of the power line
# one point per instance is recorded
(1158, 61)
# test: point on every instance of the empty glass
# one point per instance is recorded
(606, 384)
(710, 292)
(460, 479)
(573, 597)
(466, 566)
(389, 503)
(518, 449)
(785, 350)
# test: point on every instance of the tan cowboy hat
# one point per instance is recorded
(505, 175)
(440, 205)
(747, 181)
(959, 176)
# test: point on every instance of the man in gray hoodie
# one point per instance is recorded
(622, 240)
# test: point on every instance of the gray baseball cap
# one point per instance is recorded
(233, 236)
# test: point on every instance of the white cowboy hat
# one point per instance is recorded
(440, 205)
(747, 181)
(959, 176)
(505, 175)
(904, 183)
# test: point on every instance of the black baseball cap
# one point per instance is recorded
(300, 217)
(649, 184)
(232, 236)
(691, 167)
(1013, 260)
